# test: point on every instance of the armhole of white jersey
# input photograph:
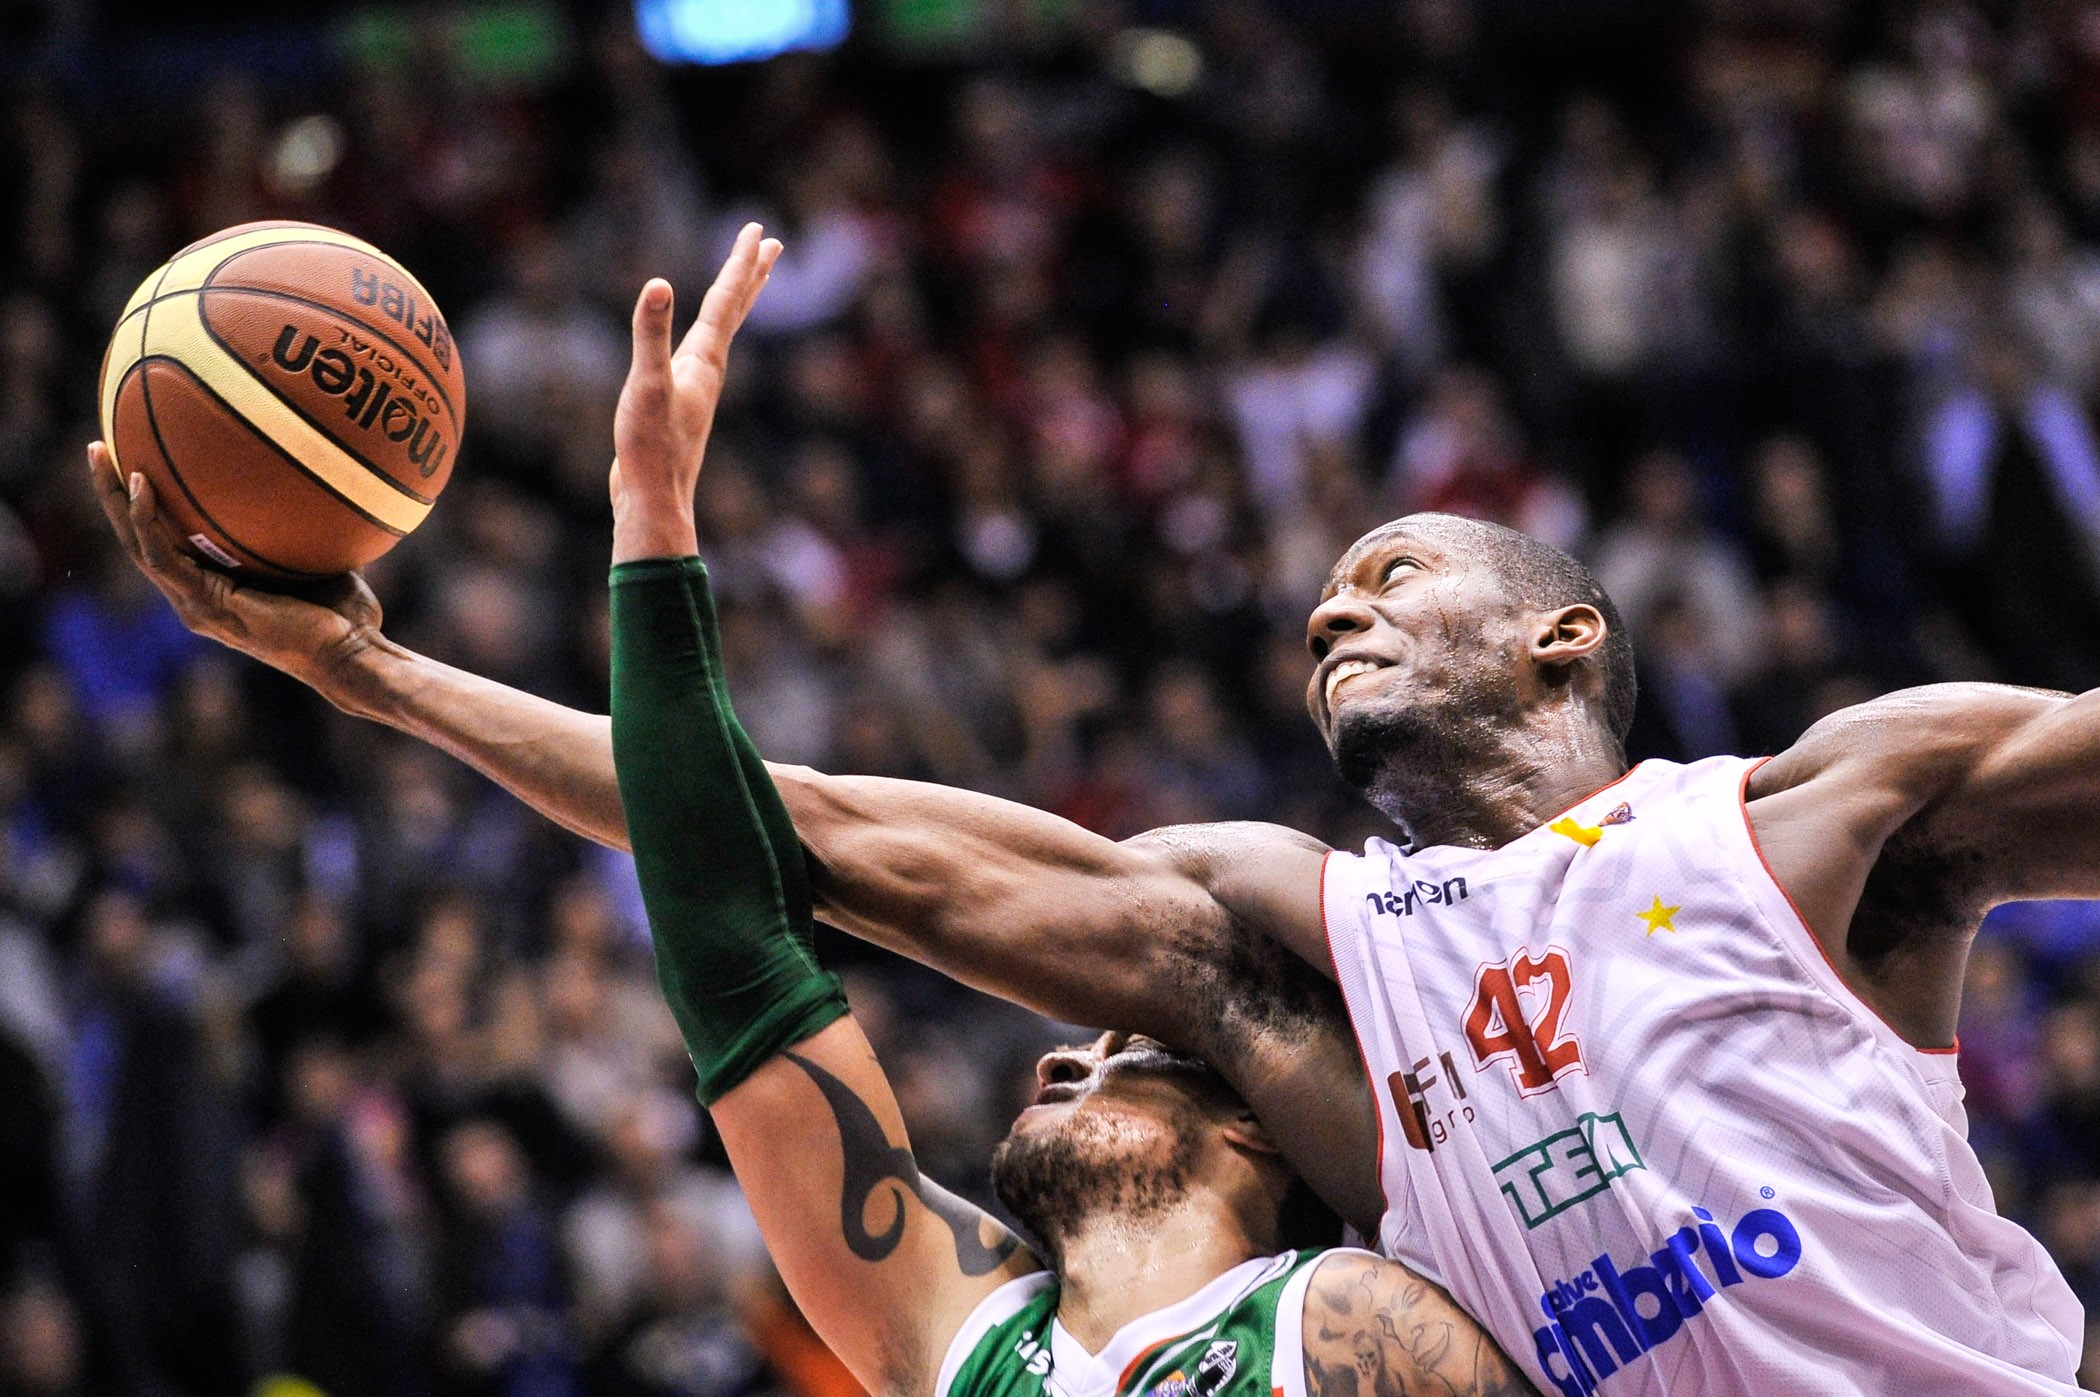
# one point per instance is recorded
(1287, 1364)
(991, 1312)
(1934, 1065)
(1346, 950)
(1352, 975)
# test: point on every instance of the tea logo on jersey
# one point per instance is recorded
(1515, 1018)
(1596, 1322)
(1546, 1179)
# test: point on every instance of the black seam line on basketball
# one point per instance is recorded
(168, 457)
(270, 293)
(282, 242)
(289, 458)
(153, 298)
(211, 280)
(303, 415)
(329, 310)
(145, 327)
(261, 225)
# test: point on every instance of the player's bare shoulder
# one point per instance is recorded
(1373, 1327)
(1911, 743)
(1263, 878)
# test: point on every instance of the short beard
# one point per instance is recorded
(1055, 1182)
(1396, 755)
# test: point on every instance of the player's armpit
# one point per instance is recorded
(885, 1264)
(1376, 1329)
(1266, 877)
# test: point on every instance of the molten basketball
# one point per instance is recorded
(292, 394)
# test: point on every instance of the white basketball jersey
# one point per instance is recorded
(1634, 1122)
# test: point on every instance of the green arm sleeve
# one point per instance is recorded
(721, 870)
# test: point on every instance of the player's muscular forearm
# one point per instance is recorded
(1181, 934)
(557, 760)
(886, 1263)
(2031, 798)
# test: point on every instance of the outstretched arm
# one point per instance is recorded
(1176, 934)
(885, 1264)
(1896, 824)
(555, 759)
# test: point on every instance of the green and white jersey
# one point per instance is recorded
(1239, 1336)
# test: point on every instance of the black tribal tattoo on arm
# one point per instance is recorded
(1375, 1329)
(871, 1162)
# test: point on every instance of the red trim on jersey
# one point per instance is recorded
(1377, 1101)
(1742, 801)
(1591, 796)
(1123, 1378)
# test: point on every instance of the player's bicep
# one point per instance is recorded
(1009, 899)
(1373, 1326)
(2031, 801)
(1265, 878)
(885, 1264)
(1999, 779)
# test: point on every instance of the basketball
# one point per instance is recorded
(293, 395)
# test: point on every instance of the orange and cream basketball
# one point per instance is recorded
(293, 395)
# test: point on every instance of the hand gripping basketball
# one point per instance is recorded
(310, 637)
(667, 407)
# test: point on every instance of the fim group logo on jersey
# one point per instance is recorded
(1598, 1321)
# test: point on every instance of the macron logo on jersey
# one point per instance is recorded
(1403, 902)
(1606, 1318)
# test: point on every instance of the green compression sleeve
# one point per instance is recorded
(722, 872)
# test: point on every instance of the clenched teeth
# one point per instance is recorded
(1347, 669)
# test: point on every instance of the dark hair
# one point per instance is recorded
(1540, 576)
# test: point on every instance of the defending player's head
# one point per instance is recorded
(1123, 1131)
(1448, 646)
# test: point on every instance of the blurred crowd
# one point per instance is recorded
(326, 1066)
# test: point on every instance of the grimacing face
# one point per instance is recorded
(1413, 641)
(1119, 1125)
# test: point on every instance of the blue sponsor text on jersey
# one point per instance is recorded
(1599, 1323)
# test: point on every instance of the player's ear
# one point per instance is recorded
(1246, 1132)
(1567, 634)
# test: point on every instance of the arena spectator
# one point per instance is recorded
(323, 1061)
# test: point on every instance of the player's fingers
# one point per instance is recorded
(652, 330)
(768, 254)
(174, 572)
(109, 493)
(721, 309)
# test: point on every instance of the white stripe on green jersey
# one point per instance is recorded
(1239, 1336)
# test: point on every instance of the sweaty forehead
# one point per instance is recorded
(1421, 532)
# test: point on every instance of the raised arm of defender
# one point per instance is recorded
(1896, 824)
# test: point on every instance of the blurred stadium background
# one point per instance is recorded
(1102, 328)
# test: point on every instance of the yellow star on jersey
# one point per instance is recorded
(1658, 917)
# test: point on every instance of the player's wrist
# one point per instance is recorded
(366, 676)
(642, 533)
